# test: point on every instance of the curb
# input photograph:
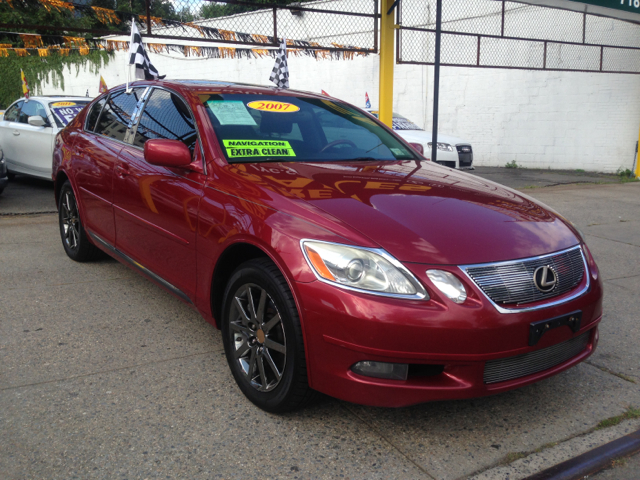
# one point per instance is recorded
(592, 461)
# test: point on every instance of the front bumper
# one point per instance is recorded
(343, 328)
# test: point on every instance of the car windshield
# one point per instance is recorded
(262, 128)
(66, 111)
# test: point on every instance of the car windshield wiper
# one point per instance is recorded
(263, 160)
(366, 159)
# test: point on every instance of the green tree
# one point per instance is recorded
(211, 9)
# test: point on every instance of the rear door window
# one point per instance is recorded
(116, 114)
(92, 118)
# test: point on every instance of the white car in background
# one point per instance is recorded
(453, 152)
(28, 130)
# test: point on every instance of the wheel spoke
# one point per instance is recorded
(243, 313)
(240, 329)
(251, 305)
(271, 323)
(74, 240)
(274, 346)
(244, 348)
(263, 376)
(252, 365)
(261, 304)
(272, 364)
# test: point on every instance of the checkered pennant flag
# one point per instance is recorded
(280, 72)
(138, 57)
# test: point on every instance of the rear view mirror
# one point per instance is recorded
(37, 121)
(167, 153)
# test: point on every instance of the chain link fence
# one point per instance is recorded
(506, 34)
(347, 25)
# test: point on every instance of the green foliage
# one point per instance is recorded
(31, 12)
(213, 9)
(512, 164)
(622, 172)
(39, 70)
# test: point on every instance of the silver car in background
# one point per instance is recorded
(453, 152)
(29, 128)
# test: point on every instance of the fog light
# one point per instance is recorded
(448, 284)
(391, 371)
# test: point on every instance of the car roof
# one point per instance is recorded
(204, 86)
(56, 98)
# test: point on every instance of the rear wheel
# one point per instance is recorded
(74, 237)
(263, 339)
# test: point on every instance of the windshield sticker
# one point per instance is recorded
(66, 114)
(399, 152)
(231, 112)
(258, 148)
(63, 104)
(269, 106)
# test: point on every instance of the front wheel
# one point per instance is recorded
(74, 237)
(263, 339)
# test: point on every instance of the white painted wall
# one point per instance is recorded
(558, 120)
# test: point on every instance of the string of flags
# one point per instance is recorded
(45, 45)
(115, 17)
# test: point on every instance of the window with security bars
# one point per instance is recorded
(507, 34)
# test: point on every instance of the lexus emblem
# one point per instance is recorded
(545, 279)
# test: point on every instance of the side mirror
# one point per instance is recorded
(37, 121)
(167, 153)
(418, 148)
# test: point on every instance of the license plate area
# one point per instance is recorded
(538, 329)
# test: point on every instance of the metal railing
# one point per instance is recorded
(508, 34)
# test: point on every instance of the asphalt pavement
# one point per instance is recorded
(105, 375)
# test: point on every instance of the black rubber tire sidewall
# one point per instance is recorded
(85, 250)
(293, 385)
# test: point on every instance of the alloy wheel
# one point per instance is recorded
(70, 220)
(258, 338)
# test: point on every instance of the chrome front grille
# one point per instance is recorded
(512, 283)
(504, 369)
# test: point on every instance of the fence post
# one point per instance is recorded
(148, 5)
(387, 50)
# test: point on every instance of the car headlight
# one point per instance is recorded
(448, 284)
(442, 146)
(367, 270)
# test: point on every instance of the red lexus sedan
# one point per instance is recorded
(333, 257)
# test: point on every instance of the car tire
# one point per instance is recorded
(263, 339)
(11, 176)
(74, 237)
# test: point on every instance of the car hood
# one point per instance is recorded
(421, 212)
(424, 137)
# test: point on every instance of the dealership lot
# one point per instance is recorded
(103, 374)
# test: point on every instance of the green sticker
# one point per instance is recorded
(258, 148)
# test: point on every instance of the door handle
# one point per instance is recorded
(122, 171)
(16, 133)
